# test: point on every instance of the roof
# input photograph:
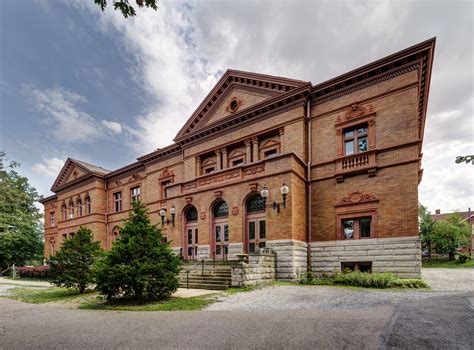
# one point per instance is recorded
(463, 214)
(91, 167)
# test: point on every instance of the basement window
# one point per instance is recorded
(361, 266)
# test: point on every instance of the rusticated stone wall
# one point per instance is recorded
(254, 269)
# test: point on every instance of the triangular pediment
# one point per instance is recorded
(246, 89)
(75, 170)
(236, 154)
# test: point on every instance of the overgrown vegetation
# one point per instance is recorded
(34, 272)
(140, 265)
(71, 266)
(363, 279)
(21, 232)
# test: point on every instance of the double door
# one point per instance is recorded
(256, 233)
(191, 241)
(221, 239)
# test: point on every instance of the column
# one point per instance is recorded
(255, 148)
(198, 166)
(248, 151)
(218, 156)
(282, 133)
(224, 157)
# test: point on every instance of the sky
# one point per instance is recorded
(79, 83)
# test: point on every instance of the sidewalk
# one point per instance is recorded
(24, 283)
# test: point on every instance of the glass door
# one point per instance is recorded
(221, 240)
(191, 242)
(256, 235)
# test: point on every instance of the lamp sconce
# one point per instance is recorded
(168, 221)
(284, 189)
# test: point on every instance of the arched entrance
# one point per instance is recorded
(220, 230)
(256, 231)
(190, 232)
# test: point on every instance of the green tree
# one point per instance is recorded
(140, 265)
(426, 228)
(71, 266)
(125, 7)
(450, 235)
(465, 159)
(21, 231)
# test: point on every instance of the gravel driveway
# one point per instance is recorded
(444, 282)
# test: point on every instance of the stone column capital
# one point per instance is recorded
(254, 140)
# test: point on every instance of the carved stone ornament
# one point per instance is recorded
(166, 173)
(117, 182)
(188, 200)
(358, 110)
(233, 105)
(357, 198)
(253, 187)
(203, 215)
(235, 211)
(218, 194)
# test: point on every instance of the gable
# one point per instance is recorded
(74, 174)
(74, 170)
(248, 88)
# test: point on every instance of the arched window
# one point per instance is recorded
(221, 210)
(191, 214)
(79, 207)
(255, 204)
(64, 211)
(71, 210)
(115, 233)
(88, 205)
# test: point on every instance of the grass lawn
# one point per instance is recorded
(172, 304)
(454, 264)
(42, 295)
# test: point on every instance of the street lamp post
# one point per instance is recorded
(168, 221)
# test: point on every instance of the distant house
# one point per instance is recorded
(465, 215)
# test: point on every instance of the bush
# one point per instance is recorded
(364, 279)
(140, 266)
(71, 267)
(462, 258)
(41, 272)
(408, 283)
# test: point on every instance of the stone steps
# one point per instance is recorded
(216, 277)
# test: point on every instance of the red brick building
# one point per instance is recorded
(348, 151)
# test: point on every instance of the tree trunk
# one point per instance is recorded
(82, 288)
(451, 256)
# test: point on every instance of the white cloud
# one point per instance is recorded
(49, 167)
(69, 124)
(112, 126)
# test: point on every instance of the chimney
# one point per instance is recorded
(438, 211)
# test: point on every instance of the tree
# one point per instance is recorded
(71, 266)
(140, 265)
(450, 235)
(426, 228)
(465, 159)
(124, 6)
(21, 231)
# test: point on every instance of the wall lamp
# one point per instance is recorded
(284, 189)
(163, 213)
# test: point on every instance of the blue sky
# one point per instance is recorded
(75, 82)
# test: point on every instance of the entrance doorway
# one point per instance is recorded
(220, 230)
(191, 233)
(256, 229)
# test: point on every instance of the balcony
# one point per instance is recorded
(356, 163)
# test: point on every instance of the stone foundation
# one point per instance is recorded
(254, 269)
(401, 255)
(234, 249)
(291, 258)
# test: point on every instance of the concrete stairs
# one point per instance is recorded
(205, 275)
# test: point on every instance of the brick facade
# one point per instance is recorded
(254, 130)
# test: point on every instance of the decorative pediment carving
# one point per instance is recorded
(270, 144)
(357, 110)
(236, 154)
(208, 161)
(166, 173)
(357, 198)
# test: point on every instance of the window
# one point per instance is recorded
(64, 211)
(79, 207)
(238, 162)
(71, 235)
(356, 228)
(118, 201)
(362, 266)
(221, 209)
(52, 243)
(209, 170)
(355, 140)
(270, 153)
(115, 234)
(191, 214)
(135, 194)
(51, 219)
(64, 236)
(255, 204)
(164, 192)
(71, 210)
(88, 205)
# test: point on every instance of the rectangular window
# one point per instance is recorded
(71, 235)
(355, 140)
(52, 219)
(356, 228)
(135, 194)
(64, 236)
(164, 185)
(209, 170)
(362, 266)
(238, 162)
(118, 201)
(270, 153)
